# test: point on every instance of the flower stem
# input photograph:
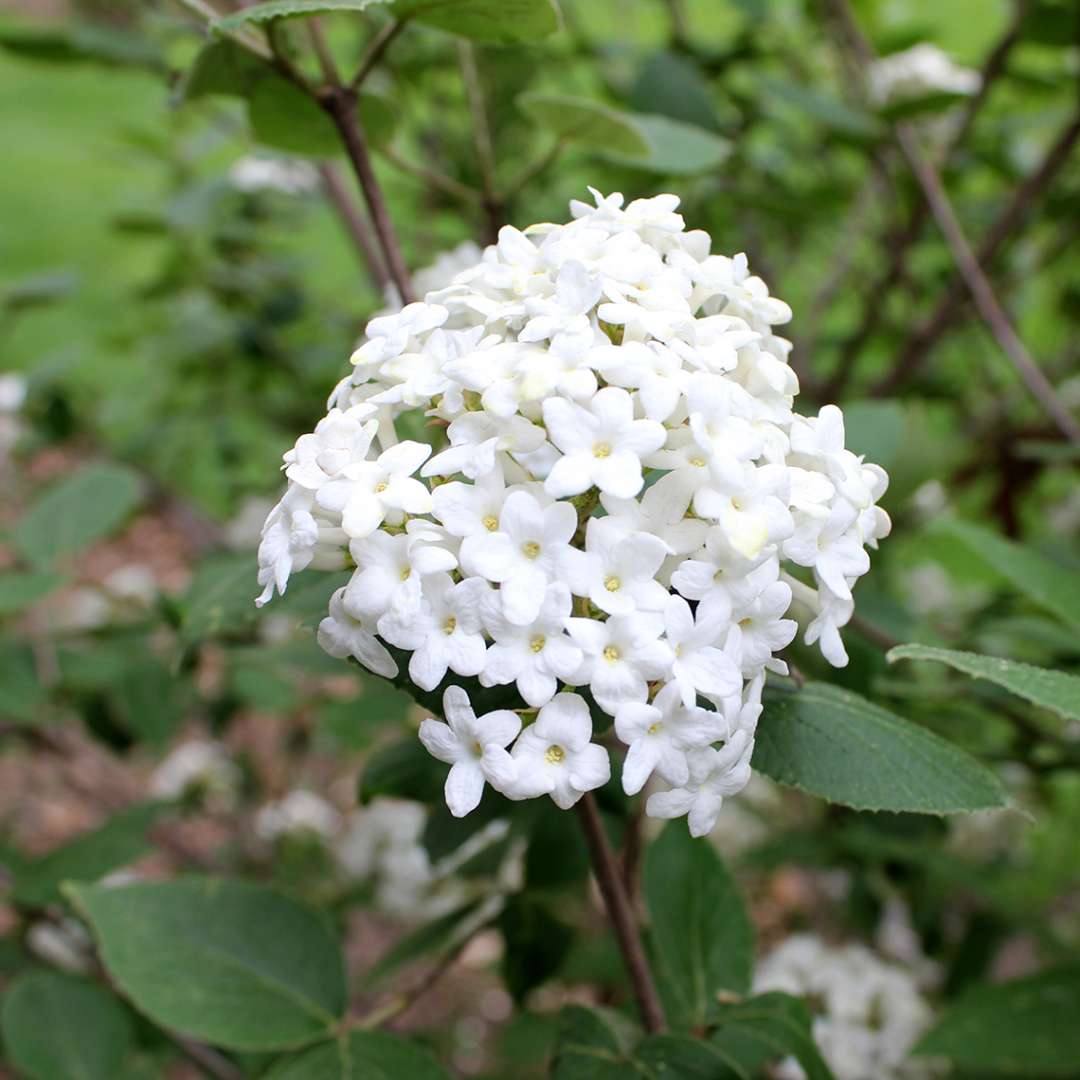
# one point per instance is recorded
(622, 915)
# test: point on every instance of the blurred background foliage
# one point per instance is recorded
(179, 291)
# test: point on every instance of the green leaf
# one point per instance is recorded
(670, 84)
(701, 935)
(770, 1027)
(1026, 1027)
(19, 590)
(581, 120)
(875, 429)
(121, 840)
(378, 118)
(682, 1057)
(222, 67)
(76, 512)
(109, 45)
(286, 9)
(832, 743)
(361, 1055)
(594, 1044)
(674, 147)
(536, 944)
(285, 117)
(220, 599)
(236, 964)
(832, 113)
(38, 290)
(1047, 583)
(433, 937)
(60, 1027)
(21, 692)
(495, 21)
(1052, 690)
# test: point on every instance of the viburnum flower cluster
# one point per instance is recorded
(614, 479)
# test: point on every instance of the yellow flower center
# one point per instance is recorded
(554, 755)
(406, 573)
(611, 654)
(491, 523)
(602, 450)
(698, 462)
(745, 622)
(737, 504)
(530, 549)
(654, 729)
(538, 643)
(450, 625)
(380, 487)
(612, 583)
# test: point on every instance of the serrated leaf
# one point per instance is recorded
(361, 1055)
(119, 841)
(287, 9)
(581, 120)
(238, 965)
(770, 1027)
(76, 512)
(61, 1027)
(837, 745)
(1052, 690)
(19, 590)
(674, 147)
(1026, 1027)
(594, 1044)
(1050, 585)
(495, 21)
(283, 116)
(701, 935)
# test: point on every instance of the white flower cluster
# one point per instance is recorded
(200, 770)
(617, 480)
(916, 72)
(870, 1012)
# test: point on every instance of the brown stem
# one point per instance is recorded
(355, 225)
(207, 1058)
(622, 916)
(341, 105)
(379, 44)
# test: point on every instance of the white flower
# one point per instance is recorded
(461, 742)
(602, 445)
(445, 634)
(339, 439)
(760, 630)
(526, 552)
(553, 756)
(621, 656)
(342, 635)
(700, 664)
(536, 655)
(299, 812)
(617, 572)
(371, 492)
(198, 767)
(660, 734)
(713, 775)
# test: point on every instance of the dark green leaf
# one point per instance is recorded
(581, 120)
(682, 1057)
(77, 511)
(768, 1028)
(701, 935)
(361, 1055)
(832, 743)
(101, 44)
(434, 937)
(1026, 1027)
(1052, 690)
(1048, 584)
(403, 770)
(21, 693)
(287, 9)
(285, 117)
(19, 590)
(832, 113)
(223, 67)
(220, 598)
(236, 964)
(60, 1027)
(536, 944)
(595, 1044)
(495, 21)
(121, 840)
(670, 84)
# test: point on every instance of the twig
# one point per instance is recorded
(323, 53)
(917, 349)
(355, 225)
(621, 913)
(431, 177)
(898, 241)
(207, 1058)
(976, 282)
(481, 127)
(375, 50)
(341, 106)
